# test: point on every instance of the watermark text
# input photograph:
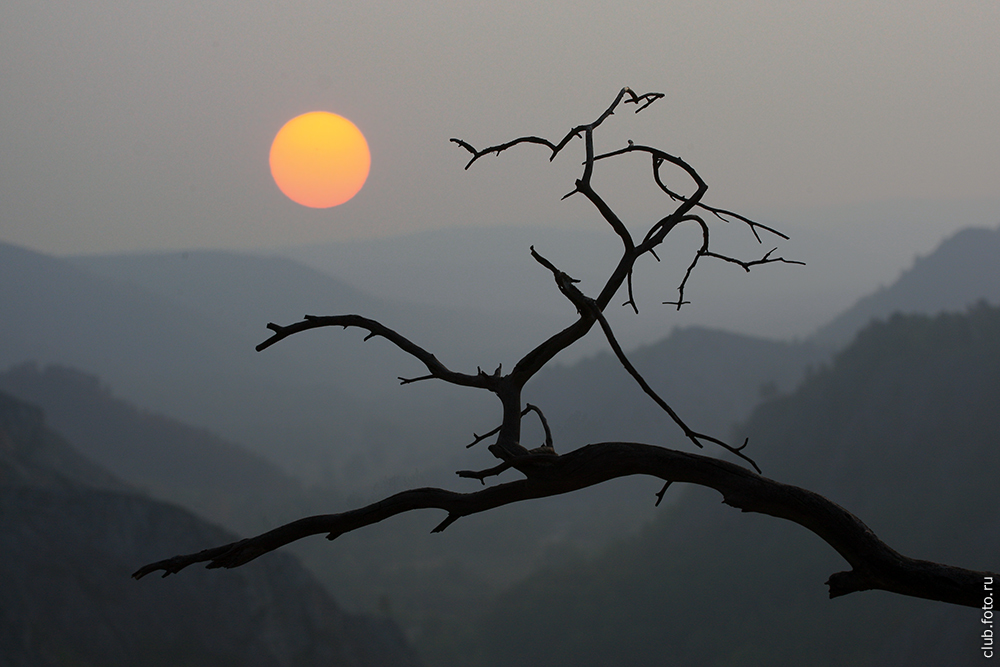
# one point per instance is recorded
(987, 619)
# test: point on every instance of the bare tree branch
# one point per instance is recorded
(874, 565)
(705, 252)
(659, 157)
(437, 370)
(642, 101)
(584, 303)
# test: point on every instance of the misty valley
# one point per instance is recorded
(137, 421)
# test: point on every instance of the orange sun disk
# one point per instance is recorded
(319, 159)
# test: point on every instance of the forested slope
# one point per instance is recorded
(70, 535)
(902, 429)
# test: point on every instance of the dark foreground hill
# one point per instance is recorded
(902, 429)
(70, 535)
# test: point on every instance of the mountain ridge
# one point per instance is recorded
(961, 270)
(167, 459)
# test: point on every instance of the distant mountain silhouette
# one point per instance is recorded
(246, 291)
(55, 311)
(69, 538)
(964, 269)
(166, 458)
(174, 332)
(491, 268)
(175, 335)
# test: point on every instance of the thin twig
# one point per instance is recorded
(662, 492)
(545, 424)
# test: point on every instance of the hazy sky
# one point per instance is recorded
(129, 126)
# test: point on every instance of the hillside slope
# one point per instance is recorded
(71, 535)
(167, 459)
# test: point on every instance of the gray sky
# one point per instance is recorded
(133, 126)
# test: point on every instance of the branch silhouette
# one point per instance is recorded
(874, 565)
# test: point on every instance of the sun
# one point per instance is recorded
(320, 159)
